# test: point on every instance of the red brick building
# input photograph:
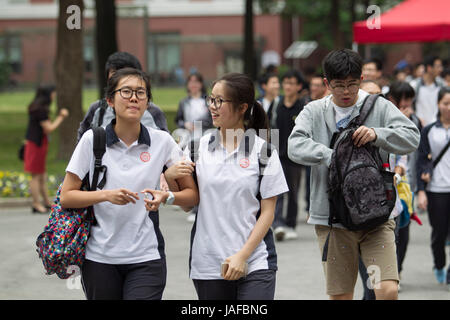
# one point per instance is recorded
(170, 37)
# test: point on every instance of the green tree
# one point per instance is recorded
(329, 22)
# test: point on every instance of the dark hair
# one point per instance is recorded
(199, 78)
(340, 64)
(400, 90)
(240, 89)
(445, 73)
(127, 72)
(429, 61)
(266, 77)
(42, 99)
(442, 93)
(377, 62)
(120, 60)
(294, 74)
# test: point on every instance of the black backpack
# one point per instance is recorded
(361, 193)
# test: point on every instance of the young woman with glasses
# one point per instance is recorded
(125, 256)
(232, 247)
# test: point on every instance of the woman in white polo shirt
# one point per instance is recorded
(125, 251)
(232, 235)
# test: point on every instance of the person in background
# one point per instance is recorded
(433, 182)
(370, 86)
(401, 94)
(269, 101)
(191, 109)
(287, 110)
(36, 147)
(373, 70)
(446, 76)
(427, 88)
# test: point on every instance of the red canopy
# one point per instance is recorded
(409, 21)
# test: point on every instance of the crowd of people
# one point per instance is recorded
(240, 187)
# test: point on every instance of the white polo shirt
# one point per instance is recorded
(126, 234)
(228, 185)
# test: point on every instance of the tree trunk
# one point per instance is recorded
(249, 47)
(69, 68)
(335, 25)
(105, 38)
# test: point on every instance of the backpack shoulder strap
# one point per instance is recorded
(103, 106)
(263, 159)
(99, 149)
(367, 106)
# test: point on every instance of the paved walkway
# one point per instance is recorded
(300, 273)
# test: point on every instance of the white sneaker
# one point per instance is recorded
(279, 233)
(290, 234)
(191, 217)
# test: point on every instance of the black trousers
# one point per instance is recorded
(402, 240)
(293, 174)
(139, 281)
(439, 216)
(258, 285)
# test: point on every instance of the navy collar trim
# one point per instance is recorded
(111, 137)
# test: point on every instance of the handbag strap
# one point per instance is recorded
(441, 154)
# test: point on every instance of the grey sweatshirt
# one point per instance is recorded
(310, 139)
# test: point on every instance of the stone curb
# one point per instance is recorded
(15, 202)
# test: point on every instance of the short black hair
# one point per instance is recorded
(445, 73)
(378, 63)
(340, 64)
(430, 60)
(120, 60)
(400, 90)
(266, 77)
(294, 74)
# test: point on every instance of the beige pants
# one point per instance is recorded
(376, 247)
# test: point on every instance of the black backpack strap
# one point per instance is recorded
(99, 149)
(103, 106)
(367, 106)
(326, 245)
(263, 160)
(441, 154)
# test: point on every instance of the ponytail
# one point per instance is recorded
(255, 117)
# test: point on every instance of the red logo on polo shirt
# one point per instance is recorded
(244, 163)
(145, 156)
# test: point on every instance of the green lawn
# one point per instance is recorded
(13, 122)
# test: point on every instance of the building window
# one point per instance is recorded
(164, 56)
(11, 52)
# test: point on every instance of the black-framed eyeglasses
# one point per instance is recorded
(127, 93)
(340, 88)
(217, 102)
